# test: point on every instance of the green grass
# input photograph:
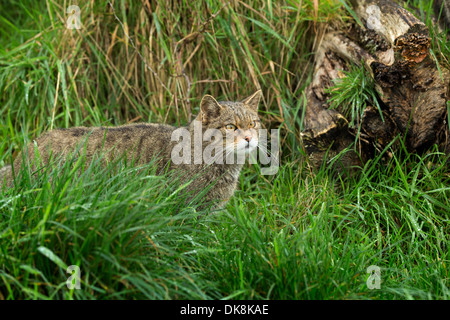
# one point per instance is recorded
(294, 235)
(351, 93)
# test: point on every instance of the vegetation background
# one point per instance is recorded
(294, 235)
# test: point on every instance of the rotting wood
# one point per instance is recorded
(413, 92)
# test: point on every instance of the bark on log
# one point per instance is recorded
(394, 47)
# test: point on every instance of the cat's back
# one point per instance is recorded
(128, 133)
(141, 139)
(142, 142)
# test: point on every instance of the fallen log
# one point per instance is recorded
(393, 45)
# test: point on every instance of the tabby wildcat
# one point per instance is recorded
(144, 142)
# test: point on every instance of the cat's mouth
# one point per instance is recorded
(249, 146)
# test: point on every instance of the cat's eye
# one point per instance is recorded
(230, 127)
(252, 124)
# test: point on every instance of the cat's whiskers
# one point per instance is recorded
(271, 156)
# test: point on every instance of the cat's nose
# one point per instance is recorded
(248, 138)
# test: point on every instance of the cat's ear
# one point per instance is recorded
(210, 108)
(253, 101)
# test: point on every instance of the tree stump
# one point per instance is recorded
(393, 46)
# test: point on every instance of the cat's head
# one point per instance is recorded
(238, 122)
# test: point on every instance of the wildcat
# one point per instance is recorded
(237, 123)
